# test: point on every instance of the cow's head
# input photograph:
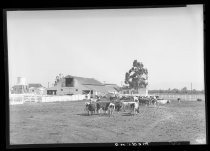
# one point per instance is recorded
(111, 105)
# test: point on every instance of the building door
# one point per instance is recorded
(54, 92)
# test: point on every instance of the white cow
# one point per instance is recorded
(135, 98)
(132, 106)
(93, 99)
(162, 101)
(111, 108)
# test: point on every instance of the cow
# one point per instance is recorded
(132, 106)
(144, 100)
(90, 108)
(135, 98)
(153, 100)
(118, 105)
(113, 98)
(102, 105)
(111, 108)
(199, 100)
(162, 101)
(94, 99)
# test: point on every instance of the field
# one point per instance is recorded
(67, 122)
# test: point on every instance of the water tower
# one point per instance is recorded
(21, 85)
(21, 81)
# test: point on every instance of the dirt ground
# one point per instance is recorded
(67, 122)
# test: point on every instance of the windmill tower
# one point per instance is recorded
(21, 85)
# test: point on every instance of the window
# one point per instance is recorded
(69, 82)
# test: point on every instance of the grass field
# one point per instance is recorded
(67, 122)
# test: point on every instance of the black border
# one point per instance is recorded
(78, 5)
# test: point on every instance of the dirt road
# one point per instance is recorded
(67, 122)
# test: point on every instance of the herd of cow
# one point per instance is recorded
(110, 104)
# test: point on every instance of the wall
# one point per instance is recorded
(24, 98)
(62, 90)
(141, 92)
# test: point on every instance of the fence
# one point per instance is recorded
(16, 99)
(24, 98)
(187, 97)
(62, 98)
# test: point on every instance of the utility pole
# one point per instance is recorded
(191, 87)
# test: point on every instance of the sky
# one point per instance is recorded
(103, 43)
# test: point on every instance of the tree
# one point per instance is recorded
(184, 90)
(175, 90)
(58, 78)
(137, 76)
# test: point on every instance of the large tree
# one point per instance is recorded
(137, 76)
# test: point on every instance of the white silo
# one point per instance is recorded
(21, 81)
(21, 85)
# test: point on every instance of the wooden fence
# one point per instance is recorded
(24, 98)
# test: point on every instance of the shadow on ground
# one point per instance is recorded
(127, 114)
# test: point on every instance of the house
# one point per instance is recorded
(70, 85)
(112, 88)
(19, 89)
(36, 88)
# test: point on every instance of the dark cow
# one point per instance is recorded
(199, 100)
(90, 107)
(144, 101)
(118, 105)
(113, 98)
(102, 105)
(153, 100)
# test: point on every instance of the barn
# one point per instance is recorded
(70, 85)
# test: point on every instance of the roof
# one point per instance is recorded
(93, 84)
(110, 89)
(113, 87)
(101, 88)
(86, 81)
(35, 85)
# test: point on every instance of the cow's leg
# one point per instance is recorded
(124, 108)
(99, 112)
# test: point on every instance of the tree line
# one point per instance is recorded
(178, 91)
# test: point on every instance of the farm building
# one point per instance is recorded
(112, 88)
(70, 85)
(20, 87)
(36, 88)
(140, 91)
